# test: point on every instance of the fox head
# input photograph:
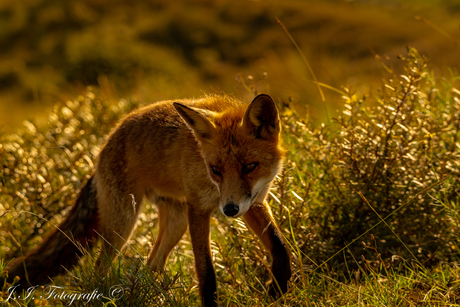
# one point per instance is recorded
(241, 149)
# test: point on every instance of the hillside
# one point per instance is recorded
(51, 50)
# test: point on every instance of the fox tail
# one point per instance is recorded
(63, 247)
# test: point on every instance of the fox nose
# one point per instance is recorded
(231, 209)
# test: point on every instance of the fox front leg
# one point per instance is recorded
(200, 235)
(260, 220)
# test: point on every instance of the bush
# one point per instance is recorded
(386, 155)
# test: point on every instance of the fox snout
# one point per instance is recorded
(235, 207)
(231, 209)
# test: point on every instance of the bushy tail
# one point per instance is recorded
(62, 248)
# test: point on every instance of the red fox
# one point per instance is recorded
(189, 158)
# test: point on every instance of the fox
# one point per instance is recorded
(189, 157)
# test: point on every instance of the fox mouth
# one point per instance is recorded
(252, 197)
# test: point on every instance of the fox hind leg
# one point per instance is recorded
(117, 222)
(173, 221)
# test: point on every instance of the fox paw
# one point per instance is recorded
(276, 290)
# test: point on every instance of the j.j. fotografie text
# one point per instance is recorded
(51, 292)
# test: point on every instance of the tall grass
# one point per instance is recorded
(367, 202)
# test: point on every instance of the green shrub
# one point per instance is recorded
(383, 155)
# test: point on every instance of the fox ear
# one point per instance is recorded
(262, 118)
(201, 126)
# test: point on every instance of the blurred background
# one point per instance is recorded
(51, 50)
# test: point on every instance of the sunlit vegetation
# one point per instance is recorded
(368, 202)
(368, 199)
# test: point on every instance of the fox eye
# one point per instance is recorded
(216, 171)
(249, 167)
